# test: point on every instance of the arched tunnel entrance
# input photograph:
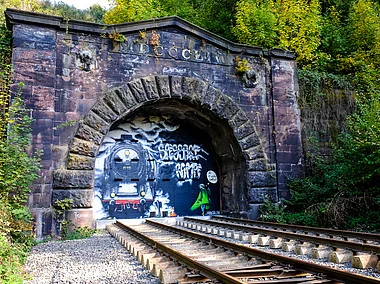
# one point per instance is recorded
(145, 149)
(169, 157)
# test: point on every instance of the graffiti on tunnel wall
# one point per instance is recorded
(154, 166)
(183, 153)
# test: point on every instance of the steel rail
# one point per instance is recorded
(341, 233)
(331, 273)
(206, 270)
(357, 247)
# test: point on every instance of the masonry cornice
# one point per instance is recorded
(14, 16)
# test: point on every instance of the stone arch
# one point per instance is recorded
(75, 180)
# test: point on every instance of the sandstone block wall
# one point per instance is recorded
(78, 82)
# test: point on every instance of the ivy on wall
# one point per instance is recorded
(18, 170)
(325, 100)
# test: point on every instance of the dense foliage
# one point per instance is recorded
(215, 16)
(291, 25)
(18, 164)
(94, 13)
(17, 172)
(342, 190)
(17, 169)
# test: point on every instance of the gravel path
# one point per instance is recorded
(99, 259)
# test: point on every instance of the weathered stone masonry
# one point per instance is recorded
(79, 82)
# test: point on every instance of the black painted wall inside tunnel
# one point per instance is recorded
(161, 174)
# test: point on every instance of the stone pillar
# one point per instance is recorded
(286, 123)
(34, 63)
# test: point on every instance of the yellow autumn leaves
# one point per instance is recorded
(289, 24)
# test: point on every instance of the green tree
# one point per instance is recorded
(362, 61)
(255, 23)
(299, 27)
(133, 10)
(288, 24)
(361, 143)
(96, 13)
(27, 5)
(364, 26)
(183, 9)
(334, 41)
(217, 16)
(93, 14)
(342, 6)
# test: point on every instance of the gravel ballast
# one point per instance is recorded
(98, 259)
(371, 272)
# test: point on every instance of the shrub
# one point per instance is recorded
(11, 259)
(80, 233)
(272, 212)
(18, 170)
(301, 218)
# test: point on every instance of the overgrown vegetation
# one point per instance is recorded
(80, 233)
(202, 13)
(17, 172)
(290, 24)
(15, 219)
(60, 209)
(342, 189)
(19, 163)
(67, 230)
(94, 13)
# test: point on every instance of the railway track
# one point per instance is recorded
(181, 256)
(361, 249)
(365, 237)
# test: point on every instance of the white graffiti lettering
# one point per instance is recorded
(181, 152)
(77, 215)
(169, 70)
(188, 170)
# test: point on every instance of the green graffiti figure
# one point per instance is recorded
(203, 200)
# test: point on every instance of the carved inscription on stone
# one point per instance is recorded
(175, 49)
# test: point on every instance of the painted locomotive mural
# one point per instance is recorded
(155, 166)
